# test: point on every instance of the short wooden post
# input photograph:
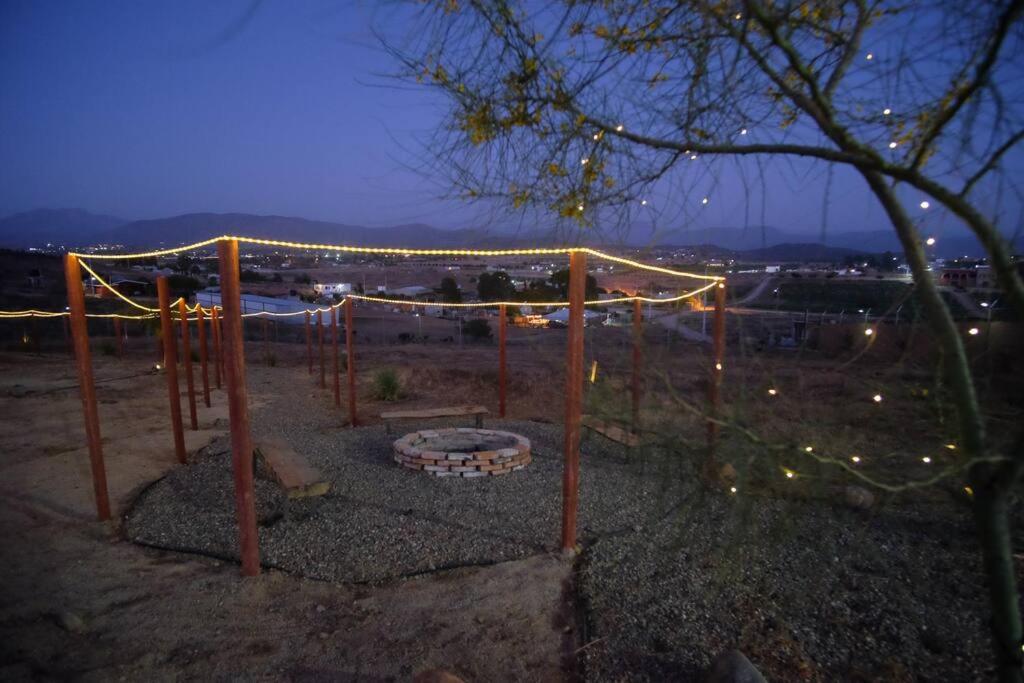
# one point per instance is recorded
(238, 406)
(718, 354)
(350, 355)
(266, 340)
(573, 398)
(320, 342)
(638, 337)
(79, 333)
(171, 366)
(335, 372)
(502, 332)
(309, 342)
(218, 358)
(204, 366)
(118, 338)
(186, 351)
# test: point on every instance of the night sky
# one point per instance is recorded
(144, 110)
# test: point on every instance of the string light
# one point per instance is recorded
(772, 392)
(886, 111)
(926, 460)
(973, 331)
(704, 201)
(809, 449)
(718, 366)
(870, 56)
(789, 473)
(892, 145)
(951, 446)
(855, 459)
(618, 128)
(643, 202)
(732, 489)
(693, 157)
(877, 398)
(930, 241)
(868, 332)
(584, 161)
(739, 15)
(593, 372)
(924, 205)
(743, 131)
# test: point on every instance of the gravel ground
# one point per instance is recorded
(669, 578)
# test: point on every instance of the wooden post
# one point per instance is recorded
(118, 338)
(573, 398)
(309, 343)
(502, 332)
(266, 340)
(638, 336)
(718, 354)
(218, 359)
(186, 351)
(86, 387)
(320, 342)
(171, 366)
(68, 344)
(350, 354)
(204, 368)
(238, 406)
(334, 344)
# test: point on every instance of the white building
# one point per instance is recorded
(252, 303)
(329, 288)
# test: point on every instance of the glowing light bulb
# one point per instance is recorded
(973, 331)
(693, 157)
(579, 207)
(584, 161)
(618, 128)
(704, 201)
(892, 145)
(877, 398)
(739, 15)
(732, 489)
(643, 202)
(855, 458)
(886, 111)
(870, 56)
(809, 449)
(718, 366)
(772, 392)
(924, 205)
(930, 241)
(868, 332)
(951, 446)
(743, 131)
(926, 460)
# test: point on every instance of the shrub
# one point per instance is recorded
(386, 385)
(477, 329)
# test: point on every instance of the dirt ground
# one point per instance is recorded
(79, 602)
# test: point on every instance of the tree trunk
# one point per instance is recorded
(990, 482)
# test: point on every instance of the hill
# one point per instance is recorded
(70, 227)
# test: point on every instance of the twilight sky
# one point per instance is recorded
(145, 110)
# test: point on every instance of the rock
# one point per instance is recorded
(733, 667)
(321, 608)
(69, 621)
(858, 497)
(436, 676)
(727, 473)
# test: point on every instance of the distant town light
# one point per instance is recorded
(930, 241)
(868, 332)
(973, 331)
(925, 205)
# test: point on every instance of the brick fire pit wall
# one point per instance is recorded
(463, 452)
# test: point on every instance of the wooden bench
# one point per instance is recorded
(611, 431)
(297, 477)
(431, 413)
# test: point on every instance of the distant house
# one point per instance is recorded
(414, 292)
(330, 288)
(125, 287)
(967, 278)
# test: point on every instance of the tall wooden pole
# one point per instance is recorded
(171, 366)
(320, 342)
(638, 336)
(204, 365)
(502, 332)
(86, 386)
(334, 353)
(238, 406)
(350, 355)
(309, 343)
(118, 338)
(718, 354)
(573, 398)
(218, 358)
(186, 351)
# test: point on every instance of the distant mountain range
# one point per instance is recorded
(77, 228)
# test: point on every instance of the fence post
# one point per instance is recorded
(334, 345)
(309, 343)
(171, 366)
(320, 342)
(350, 354)
(217, 357)
(83, 360)
(204, 368)
(502, 332)
(573, 398)
(186, 351)
(118, 338)
(638, 336)
(714, 388)
(238, 408)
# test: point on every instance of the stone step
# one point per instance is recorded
(297, 477)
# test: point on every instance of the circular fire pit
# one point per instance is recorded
(463, 452)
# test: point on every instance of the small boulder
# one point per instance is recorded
(69, 621)
(733, 667)
(858, 497)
